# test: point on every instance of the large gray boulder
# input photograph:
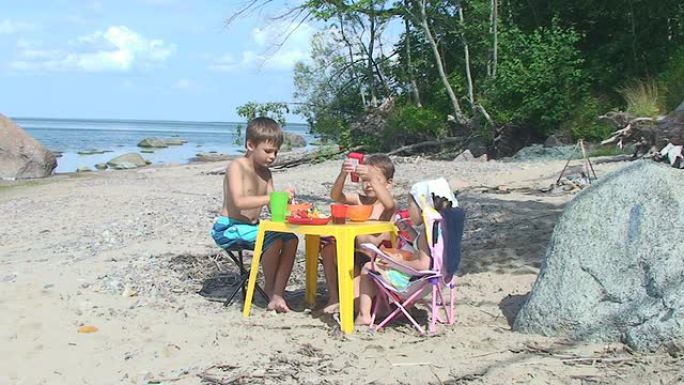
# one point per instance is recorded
(153, 143)
(292, 140)
(161, 143)
(127, 161)
(21, 156)
(614, 268)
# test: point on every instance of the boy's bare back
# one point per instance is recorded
(244, 178)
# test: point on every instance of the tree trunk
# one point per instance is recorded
(458, 114)
(409, 62)
(371, 46)
(466, 51)
(495, 49)
(351, 60)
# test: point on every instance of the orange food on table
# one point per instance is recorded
(293, 208)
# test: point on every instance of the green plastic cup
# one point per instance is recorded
(278, 203)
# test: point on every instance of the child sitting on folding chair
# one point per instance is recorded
(246, 188)
(420, 259)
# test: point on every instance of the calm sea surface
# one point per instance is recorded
(69, 136)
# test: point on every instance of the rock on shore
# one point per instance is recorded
(613, 270)
(21, 156)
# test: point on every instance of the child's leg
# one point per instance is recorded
(367, 291)
(329, 257)
(270, 260)
(288, 251)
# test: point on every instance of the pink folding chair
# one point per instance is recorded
(444, 232)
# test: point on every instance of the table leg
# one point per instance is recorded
(258, 246)
(345, 277)
(312, 251)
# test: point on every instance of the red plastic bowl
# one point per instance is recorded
(359, 213)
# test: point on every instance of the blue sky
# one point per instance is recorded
(142, 59)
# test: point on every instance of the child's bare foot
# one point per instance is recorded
(331, 308)
(278, 304)
(362, 320)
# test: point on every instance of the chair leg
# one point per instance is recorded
(244, 278)
(229, 300)
(452, 298)
(435, 310)
(245, 273)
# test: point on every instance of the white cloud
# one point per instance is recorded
(117, 49)
(226, 62)
(10, 27)
(278, 47)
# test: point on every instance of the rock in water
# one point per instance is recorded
(127, 161)
(293, 140)
(614, 268)
(21, 156)
(152, 143)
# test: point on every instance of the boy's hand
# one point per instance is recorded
(367, 173)
(348, 166)
(291, 192)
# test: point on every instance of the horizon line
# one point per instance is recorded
(138, 120)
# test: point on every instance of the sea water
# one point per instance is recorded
(117, 137)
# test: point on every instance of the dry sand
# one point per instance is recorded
(129, 251)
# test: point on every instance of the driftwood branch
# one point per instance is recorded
(619, 135)
(629, 131)
(430, 143)
(309, 157)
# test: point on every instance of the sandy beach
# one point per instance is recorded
(129, 252)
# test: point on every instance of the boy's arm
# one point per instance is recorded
(337, 193)
(378, 182)
(235, 176)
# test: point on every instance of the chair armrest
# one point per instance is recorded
(397, 265)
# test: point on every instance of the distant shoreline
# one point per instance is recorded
(85, 143)
(119, 120)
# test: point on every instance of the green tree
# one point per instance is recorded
(273, 110)
(540, 79)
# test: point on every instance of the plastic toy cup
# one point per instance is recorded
(278, 203)
(357, 159)
(338, 213)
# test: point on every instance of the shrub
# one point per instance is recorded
(540, 80)
(584, 123)
(411, 122)
(671, 82)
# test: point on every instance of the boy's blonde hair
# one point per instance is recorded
(384, 163)
(263, 129)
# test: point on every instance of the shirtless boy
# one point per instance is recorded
(246, 188)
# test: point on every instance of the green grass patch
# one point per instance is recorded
(641, 97)
(606, 151)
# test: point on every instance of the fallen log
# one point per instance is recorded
(411, 148)
(310, 157)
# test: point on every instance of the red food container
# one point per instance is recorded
(357, 159)
(338, 213)
(407, 234)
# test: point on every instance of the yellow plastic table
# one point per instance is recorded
(345, 235)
